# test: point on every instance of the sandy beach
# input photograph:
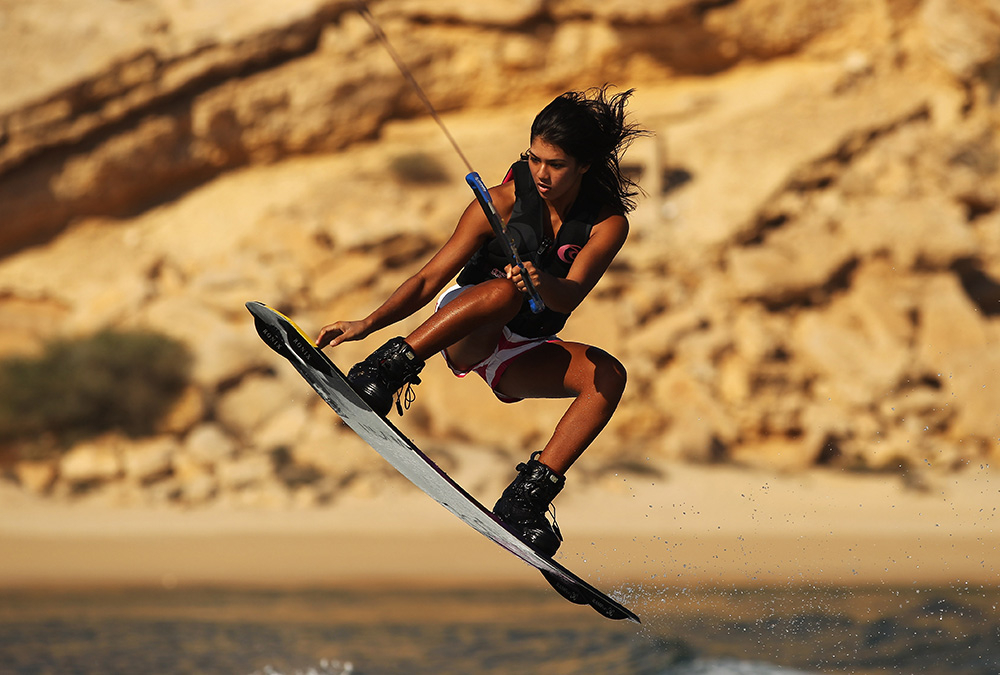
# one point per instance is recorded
(694, 526)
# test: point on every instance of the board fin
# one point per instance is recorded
(577, 596)
(571, 593)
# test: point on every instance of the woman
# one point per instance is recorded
(565, 204)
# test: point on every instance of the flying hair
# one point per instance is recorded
(594, 129)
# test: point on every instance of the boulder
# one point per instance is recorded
(285, 428)
(92, 462)
(149, 460)
(36, 476)
(187, 412)
(249, 405)
(334, 450)
(242, 472)
(208, 445)
(197, 489)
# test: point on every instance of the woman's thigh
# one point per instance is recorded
(480, 342)
(559, 370)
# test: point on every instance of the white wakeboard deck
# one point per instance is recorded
(287, 339)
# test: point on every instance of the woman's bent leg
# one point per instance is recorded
(596, 381)
(469, 326)
(592, 377)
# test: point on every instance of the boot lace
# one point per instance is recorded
(405, 397)
(555, 525)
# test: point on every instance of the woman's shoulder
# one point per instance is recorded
(504, 197)
(607, 212)
(611, 223)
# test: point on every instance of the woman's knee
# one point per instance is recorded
(502, 294)
(610, 376)
(498, 291)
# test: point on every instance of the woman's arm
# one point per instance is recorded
(564, 295)
(471, 232)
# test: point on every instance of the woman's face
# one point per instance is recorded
(556, 174)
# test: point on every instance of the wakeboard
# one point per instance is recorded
(282, 335)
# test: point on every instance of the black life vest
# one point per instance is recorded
(526, 227)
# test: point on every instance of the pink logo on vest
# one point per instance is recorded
(568, 252)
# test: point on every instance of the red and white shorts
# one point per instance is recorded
(509, 347)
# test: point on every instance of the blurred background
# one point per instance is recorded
(808, 307)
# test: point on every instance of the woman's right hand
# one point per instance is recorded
(333, 334)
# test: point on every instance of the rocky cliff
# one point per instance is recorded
(812, 279)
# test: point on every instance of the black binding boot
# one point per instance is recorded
(380, 377)
(524, 503)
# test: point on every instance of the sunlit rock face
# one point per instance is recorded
(812, 277)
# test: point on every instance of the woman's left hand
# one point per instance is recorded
(516, 275)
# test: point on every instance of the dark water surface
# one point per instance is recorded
(389, 631)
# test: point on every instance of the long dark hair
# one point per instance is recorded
(593, 129)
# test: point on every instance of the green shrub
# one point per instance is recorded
(123, 381)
